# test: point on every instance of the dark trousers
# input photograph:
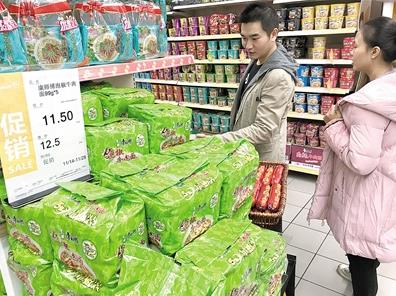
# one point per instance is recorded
(364, 275)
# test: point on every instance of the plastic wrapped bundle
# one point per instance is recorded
(50, 33)
(92, 108)
(106, 31)
(12, 53)
(162, 33)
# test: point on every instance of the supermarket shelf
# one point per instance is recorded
(205, 37)
(157, 81)
(195, 106)
(301, 169)
(223, 62)
(297, 1)
(112, 70)
(323, 90)
(305, 116)
(175, 13)
(317, 32)
(321, 62)
(212, 4)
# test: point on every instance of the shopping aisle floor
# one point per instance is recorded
(318, 253)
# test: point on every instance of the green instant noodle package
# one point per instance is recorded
(3, 195)
(168, 125)
(115, 101)
(90, 226)
(181, 197)
(28, 225)
(115, 140)
(234, 254)
(92, 108)
(93, 85)
(33, 271)
(237, 161)
(2, 287)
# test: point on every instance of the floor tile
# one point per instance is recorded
(386, 286)
(308, 204)
(303, 183)
(304, 258)
(297, 198)
(301, 220)
(289, 179)
(323, 272)
(290, 213)
(388, 270)
(306, 288)
(332, 250)
(285, 225)
(297, 281)
(304, 238)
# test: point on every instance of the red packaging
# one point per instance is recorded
(329, 100)
(302, 127)
(224, 29)
(231, 18)
(333, 53)
(346, 83)
(190, 45)
(154, 74)
(177, 93)
(300, 139)
(235, 28)
(214, 20)
(288, 152)
(312, 130)
(306, 155)
(331, 73)
(154, 87)
(346, 54)
(182, 45)
(201, 54)
(156, 95)
(263, 196)
(162, 96)
(168, 74)
(214, 30)
(277, 175)
(330, 82)
(347, 73)
(200, 45)
(192, 51)
(223, 19)
(161, 74)
(314, 142)
(268, 175)
(349, 42)
(259, 179)
(169, 89)
(274, 197)
(161, 88)
(324, 109)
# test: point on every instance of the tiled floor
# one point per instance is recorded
(318, 253)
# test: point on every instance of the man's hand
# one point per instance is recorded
(334, 113)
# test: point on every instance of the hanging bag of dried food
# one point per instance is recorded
(106, 32)
(145, 34)
(12, 54)
(162, 33)
(50, 33)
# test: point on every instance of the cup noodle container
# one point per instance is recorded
(307, 24)
(321, 23)
(336, 22)
(319, 42)
(337, 9)
(333, 53)
(353, 8)
(318, 53)
(308, 12)
(351, 21)
(322, 10)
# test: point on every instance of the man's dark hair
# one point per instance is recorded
(381, 32)
(259, 12)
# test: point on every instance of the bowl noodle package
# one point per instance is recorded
(12, 53)
(237, 161)
(115, 101)
(33, 271)
(238, 255)
(181, 196)
(29, 226)
(168, 125)
(92, 108)
(90, 226)
(115, 140)
(50, 33)
(106, 31)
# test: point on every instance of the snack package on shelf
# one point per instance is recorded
(239, 256)
(181, 196)
(12, 55)
(90, 226)
(33, 271)
(115, 101)
(168, 125)
(115, 140)
(93, 85)
(92, 108)
(162, 33)
(49, 33)
(237, 161)
(106, 32)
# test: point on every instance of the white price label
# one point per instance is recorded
(42, 136)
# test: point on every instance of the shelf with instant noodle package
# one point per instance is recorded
(317, 32)
(185, 83)
(303, 169)
(298, 115)
(296, 1)
(205, 37)
(196, 106)
(212, 4)
(323, 90)
(300, 61)
(112, 70)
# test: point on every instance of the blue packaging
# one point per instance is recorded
(299, 98)
(313, 99)
(315, 82)
(300, 108)
(303, 81)
(303, 71)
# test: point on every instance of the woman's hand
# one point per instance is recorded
(334, 113)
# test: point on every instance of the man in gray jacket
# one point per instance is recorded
(264, 96)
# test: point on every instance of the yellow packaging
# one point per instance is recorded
(322, 10)
(310, 53)
(351, 21)
(319, 42)
(337, 9)
(318, 53)
(336, 22)
(308, 12)
(353, 8)
(321, 23)
(307, 24)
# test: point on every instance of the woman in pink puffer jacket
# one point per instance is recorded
(356, 187)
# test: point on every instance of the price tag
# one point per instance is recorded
(42, 136)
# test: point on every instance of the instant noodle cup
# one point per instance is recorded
(200, 68)
(235, 28)
(193, 21)
(213, 45)
(203, 100)
(183, 22)
(213, 92)
(322, 10)
(191, 77)
(307, 24)
(330, 82)
(353, 8)
(235, 44)
(231, 69)
(302, 81)
(331, 72)
(294, 13)
(313, 109)
(347, 53)
(303, 71)
(336, 22)
(219, 78)
(351, 21)
(203, 20)
(232, 93)
(282, 13)
(224, 44)
(222, 54)
(202, 91)
(299, 98)
(206, 128)
(222, 101)
(212, 54)
(194, 31)
(313, 99)
(219, 69)
(183, 76)
(201, 77)
(346, 83)
(333, 53)
(337, 9)
(231, 78)
(214, 30)
(318, 53)
(282, 25)
(204, 30)
(321, 23)
(200, 45)
(213, 100)
(233, 54)
(348, 73)
(300, 108)
(194, 91)
(172, 32)
(317, 71)
(315, 81)
(294, 24)
(224, 29)
(308, 12)
(215, 128)
(183, 45)
(210, 77)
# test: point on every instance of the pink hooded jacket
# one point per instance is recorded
(356, 188)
